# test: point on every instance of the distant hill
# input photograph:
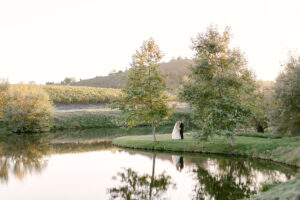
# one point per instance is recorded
(176, 70)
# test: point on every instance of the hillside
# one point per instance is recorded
(176, 70)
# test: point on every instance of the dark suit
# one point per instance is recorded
(181, 129)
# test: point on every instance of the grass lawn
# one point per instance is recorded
(285, 150)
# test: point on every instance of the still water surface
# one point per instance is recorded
(50, 167)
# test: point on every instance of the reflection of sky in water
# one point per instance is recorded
(89, 175)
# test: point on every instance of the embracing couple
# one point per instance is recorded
(177, 133)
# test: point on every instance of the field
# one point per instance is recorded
(75, 94)
(79, 94)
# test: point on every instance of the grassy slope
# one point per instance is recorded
(284, 150)
(289, 190)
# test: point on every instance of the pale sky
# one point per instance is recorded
(48, 40)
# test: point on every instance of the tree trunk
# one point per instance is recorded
(232, 140)
(152, 177)
(153, 132)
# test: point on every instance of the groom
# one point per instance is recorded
(181, 128)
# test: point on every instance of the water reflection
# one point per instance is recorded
(233, 178)
(107, 172)
(217, 177)
(134, 186)
(20, 155)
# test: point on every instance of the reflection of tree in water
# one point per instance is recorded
(230, 179)
(20, 155)
(135, 187)
(219, 187)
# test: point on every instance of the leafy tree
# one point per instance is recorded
(144, 99)
(68, 81)
(219, 84)
(286, 115)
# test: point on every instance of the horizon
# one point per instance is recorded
(44, 41)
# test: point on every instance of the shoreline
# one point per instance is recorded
(128, 142)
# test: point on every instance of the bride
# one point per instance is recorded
(176, 131)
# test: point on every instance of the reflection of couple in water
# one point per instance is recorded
(178, 162)
(177, 133)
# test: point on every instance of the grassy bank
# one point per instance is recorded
(103, 119)
(88, 119)
(285, 150)
(288, 190)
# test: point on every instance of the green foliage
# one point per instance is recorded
(144, 99)
(27, 109)
(219, 85)
(73, 94)
(261, 102)
(87, 119)
(286, 114)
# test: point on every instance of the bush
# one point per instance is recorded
(26, 109)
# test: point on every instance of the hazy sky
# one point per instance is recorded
(48, 40)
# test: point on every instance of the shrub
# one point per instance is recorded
(27, 109)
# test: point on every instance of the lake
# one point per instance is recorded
(56, 166)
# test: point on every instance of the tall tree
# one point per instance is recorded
(144, 99)
(286, 115)
(218, 83)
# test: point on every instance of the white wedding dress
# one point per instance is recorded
(176, 132)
